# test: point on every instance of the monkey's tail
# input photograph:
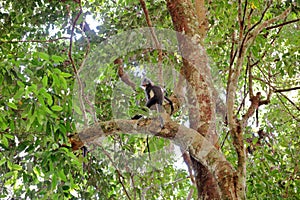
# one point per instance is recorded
(171, 104)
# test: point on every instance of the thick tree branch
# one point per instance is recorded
(240, 18)
(202, 20)
(123, 75)
(200, 90)
(188, 139)
(237, 128)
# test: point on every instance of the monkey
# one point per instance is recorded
(155, 96)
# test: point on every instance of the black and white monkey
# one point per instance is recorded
(155, 96)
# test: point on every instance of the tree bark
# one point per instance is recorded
(200, 88)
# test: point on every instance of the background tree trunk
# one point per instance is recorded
(201, 104)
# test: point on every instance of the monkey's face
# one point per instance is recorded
(146, 82)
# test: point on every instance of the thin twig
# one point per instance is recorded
(288, 110)
(117, 170)
(287, 89)
(91, 108)
(157, 185)
(298, 108)
(223, 142)
(80, 85)
(71, 40)
(282, 24)
(157, 43)
(245, 10)
(246, 38)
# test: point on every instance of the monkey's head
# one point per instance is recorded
(146, 82)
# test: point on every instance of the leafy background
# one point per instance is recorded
(36, 84)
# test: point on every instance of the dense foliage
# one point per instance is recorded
(37, 79)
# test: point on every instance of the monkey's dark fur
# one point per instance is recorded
(155, 95)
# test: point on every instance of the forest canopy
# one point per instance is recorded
(70, 83)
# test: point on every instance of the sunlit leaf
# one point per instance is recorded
(43, 55)
(12, 105)
(57, 59)
(56, 108)
(45, 81)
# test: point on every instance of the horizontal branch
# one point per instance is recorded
(287, 89)
(282, 24)
(187, 139)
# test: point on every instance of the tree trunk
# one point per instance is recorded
(197, 74)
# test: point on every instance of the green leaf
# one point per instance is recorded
(3, 123)
(19, 94)
(56, 108)
(49, 111)
(9, 174)
(4, 141)
(63, 129)
(12, 105)
(66, 75)
(33, 88)
(57, 71)
(49, 99)
(271, 158)
(63, 82)
(41, 100)
(55, 80)
(57, 59)
(9, 164)
(9, 136)
(45, 81)
(44, 56)
(45, 94)
(62, 175)
(16, 167)
(2, 161)
(54, 182)
(20, 84)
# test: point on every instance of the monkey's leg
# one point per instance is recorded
(160, 111)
